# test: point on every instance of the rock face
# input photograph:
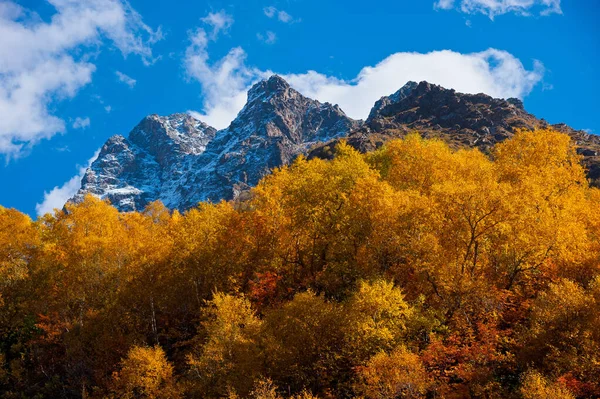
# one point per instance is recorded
(182, 161)
(462, 120)
(151, 164)
(473, 120)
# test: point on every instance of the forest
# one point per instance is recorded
(414, 271)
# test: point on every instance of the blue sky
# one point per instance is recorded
(73, 73)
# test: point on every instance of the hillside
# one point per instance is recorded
(411, 271)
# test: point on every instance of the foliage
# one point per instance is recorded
(145, 373)
(411, 271)
(399, 374)
(536, 386)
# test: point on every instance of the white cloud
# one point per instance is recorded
(444, 4)
(128, 80)
(281, 15)
(284, 16)
(45, 62)
(108, 108)
(494, 72)
(268, 38)
(219, 21)
(81, 123)
(270, 11)
(225, 82)
(492, 8)
(58, 196)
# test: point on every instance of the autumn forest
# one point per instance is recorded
(415, 271)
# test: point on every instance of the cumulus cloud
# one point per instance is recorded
(494, 72)
(45, 62)
(58, 196)
(225, 82)
(268, 37)
(128, 80)
(492, 8)
(81, 123)
(281, 15)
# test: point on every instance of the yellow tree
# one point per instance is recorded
(307, 205)
(209, 252)
(229, 357)
(564, 336)
(303, 344)
(548, 203)
(145, 373)
(379, 318)
(399, 374)
(536, 386)
(18, 240)
(19, 243)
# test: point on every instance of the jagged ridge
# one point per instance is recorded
(182, 161)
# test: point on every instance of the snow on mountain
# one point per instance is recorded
(150, 164)
(181, 161)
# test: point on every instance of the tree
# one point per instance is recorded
(229, 358)
(303, 344)
(564, 336)
(379, 318)
(399, 374)
(536, 386)
(145, 373)
(18, 240)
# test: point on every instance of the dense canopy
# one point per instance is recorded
(414, 271)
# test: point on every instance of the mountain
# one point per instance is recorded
(461, 120)
(181, 161)
(150, 164)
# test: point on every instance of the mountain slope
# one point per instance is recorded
(181, 161)
(148, 165)
(462, 120)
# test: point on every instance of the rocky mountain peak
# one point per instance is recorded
(163, 136)
(398, 96)
(473, 119)
(275, 109)
(267, 88)
(113, 144)
(276, 124)
(462, 120)
(516, 102)
(181, 161)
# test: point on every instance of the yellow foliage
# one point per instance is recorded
(145, 373)
(536, 386)
(317, 282)
(18, 238)
(399, 374)
(378, 318)
(228, 358)
(413, 163)
(304, 340)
